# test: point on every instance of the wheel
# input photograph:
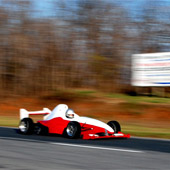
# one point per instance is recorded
(73, 130)
(115, 126)
(40, 129)
(26, 126)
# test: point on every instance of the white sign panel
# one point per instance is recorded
(152, 69)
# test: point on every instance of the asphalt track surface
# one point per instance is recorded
(32, 152)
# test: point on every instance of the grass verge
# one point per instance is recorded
(9, 121)
(144, 131)
(138, 99)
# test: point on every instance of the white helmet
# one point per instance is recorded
(70, 113)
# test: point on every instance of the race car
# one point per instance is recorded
(66, 122)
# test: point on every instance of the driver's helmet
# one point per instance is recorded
(70, 113)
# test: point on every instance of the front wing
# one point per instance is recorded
(116, 135)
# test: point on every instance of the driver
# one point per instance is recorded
(70, 113)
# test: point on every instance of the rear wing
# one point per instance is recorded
(25, 114)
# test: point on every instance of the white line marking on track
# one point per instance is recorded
(74, 145)
(95, 147)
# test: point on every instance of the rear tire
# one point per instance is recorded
(26, 126)
(73, 130)
(115, 126)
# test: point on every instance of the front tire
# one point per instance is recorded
(115, 126)
(26, 126)
(73, 130)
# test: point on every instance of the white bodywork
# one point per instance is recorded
(60, 111)
(95, 123)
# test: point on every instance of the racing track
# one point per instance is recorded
(54, 152)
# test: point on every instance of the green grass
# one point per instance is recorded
(74, 94)
(9, 121)
(138, 99)
(144, 131)
(85, 93)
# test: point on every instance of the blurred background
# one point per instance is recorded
(46, 45)
(50, 46)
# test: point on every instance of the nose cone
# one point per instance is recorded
(96, 122)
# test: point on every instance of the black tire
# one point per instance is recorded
(26, 126)
(41, 129)
(115, 126)
(73, 130)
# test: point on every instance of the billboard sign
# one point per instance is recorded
(151, 69)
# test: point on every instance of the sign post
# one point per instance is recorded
(151, 70)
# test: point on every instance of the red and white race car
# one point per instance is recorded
(64, 121)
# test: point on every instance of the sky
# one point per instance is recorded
(44, 8)
(133, 6)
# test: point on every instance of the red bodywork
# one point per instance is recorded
(58, 125)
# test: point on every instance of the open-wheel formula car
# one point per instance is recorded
(64, 121)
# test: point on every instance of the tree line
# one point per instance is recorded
(84, 44)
